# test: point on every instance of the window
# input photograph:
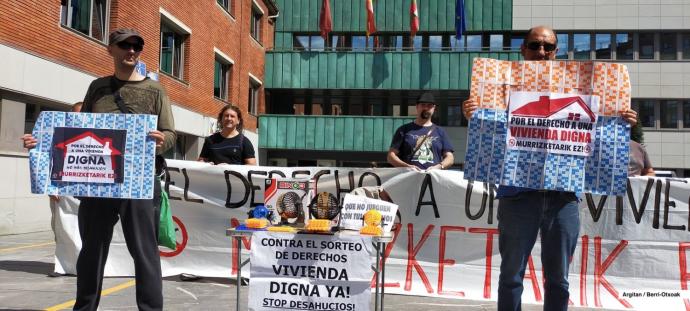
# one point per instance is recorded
(668, 112)
(457, 45)
(253, 98)
(342, 43)
(300, 43)
(221, 78)
(377, 109)
(581, 46)
(602, 46)
(226, 4)
(667, 49)
(686, 114)
(362, 43)
(496, 42)
(685, 45)
(172, 51)
(455, 117)
(391, 43)
(474, 43)
(89, 17)
(435, 43)
(624, 46)
(645, 111)
(516, 42)
(646, 45)
(317, 43)
(417, 43)
(563, 46)
(255, 24)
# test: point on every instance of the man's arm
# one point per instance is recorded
(394, 160)
(447, 162)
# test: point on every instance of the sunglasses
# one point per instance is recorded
(137, 47)
(535, 45)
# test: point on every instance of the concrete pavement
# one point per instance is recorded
(26, 260)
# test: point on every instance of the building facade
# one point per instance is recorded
(205, 53)
(356, 84)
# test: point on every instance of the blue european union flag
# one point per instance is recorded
(459, 18)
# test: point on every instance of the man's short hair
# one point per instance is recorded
(123, 34)
(524, 41)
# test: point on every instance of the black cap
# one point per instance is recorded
(123, 34)
(426, 97)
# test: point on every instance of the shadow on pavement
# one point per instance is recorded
(36, 267)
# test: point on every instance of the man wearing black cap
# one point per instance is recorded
(421, 145)
(126, 91)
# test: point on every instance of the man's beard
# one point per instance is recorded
(426, 115)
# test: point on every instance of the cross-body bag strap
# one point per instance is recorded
(118, 97)
(419, 145)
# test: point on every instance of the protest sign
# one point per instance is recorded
(310, 272)
(549, 125)
(88, 155)
(354, 207)
(93, 155)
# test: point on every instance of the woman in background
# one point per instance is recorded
(229, 144)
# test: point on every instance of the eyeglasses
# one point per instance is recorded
(127, 45)
(535, 45)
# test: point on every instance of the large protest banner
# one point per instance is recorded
(310, 272)
(633, 250)
(549, 125)
(93, 155)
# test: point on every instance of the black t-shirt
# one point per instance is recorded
(234, 150)
(431, 150)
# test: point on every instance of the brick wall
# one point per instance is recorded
(34, 27)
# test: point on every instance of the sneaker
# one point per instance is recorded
(189, 277)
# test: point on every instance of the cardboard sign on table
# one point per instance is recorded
(354, 207)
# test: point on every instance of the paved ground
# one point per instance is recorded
(27, 259)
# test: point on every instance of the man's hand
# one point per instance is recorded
(435, 167)
(630, 116)
(158, 136)
(469, 107)
(414, 167)
(29, 141)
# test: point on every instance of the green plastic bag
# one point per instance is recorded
(166, 227)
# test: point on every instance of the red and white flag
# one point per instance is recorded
(414, 18)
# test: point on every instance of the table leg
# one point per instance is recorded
(239, 272)
(383, 273)
(378, 275)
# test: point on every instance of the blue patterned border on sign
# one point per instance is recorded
(140, 151)
(604, 172)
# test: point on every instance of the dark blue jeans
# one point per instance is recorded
(555, 216)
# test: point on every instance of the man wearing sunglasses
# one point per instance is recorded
(126, 91)
(523, 213)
